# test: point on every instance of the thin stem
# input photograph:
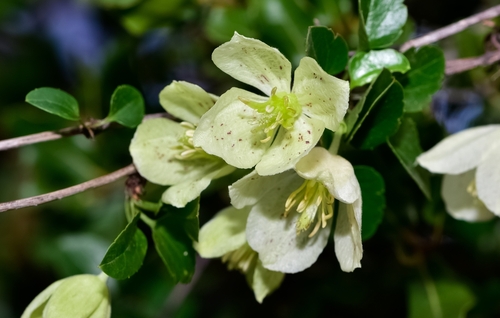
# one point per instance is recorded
(65, 132)
(462, 65)
(451, 29)
(59, 194)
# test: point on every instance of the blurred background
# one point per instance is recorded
(88, 47)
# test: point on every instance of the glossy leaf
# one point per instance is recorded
(381, 22)
(327, 48)
(379, 115)
(373, 197)
(364, 67)
(173, 235)
(442, 298)
(127, 106)
(424, 78)
(125, 256)
(54, 101)
(406, 146)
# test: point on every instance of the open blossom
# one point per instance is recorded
(291, 213)
(224, 236)
(469, 160)
(270, 132)
(163, 150)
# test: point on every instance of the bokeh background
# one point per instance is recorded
(88, 47)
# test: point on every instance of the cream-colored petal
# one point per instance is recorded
(224, 233)
(265, 281)
(290, 145)
(252, 187)
(182, 193)
(488, 179)
(460, 203)
(275, 237)
(347, 236)
(336, 174)
(255, 63)
(186, 101)
(460, 152)
(153, 153)
(321, 95)
(226, 130)
(35, 308)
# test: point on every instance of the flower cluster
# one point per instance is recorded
(282, 212)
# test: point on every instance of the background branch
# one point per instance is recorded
(451, 29)
(465, 64)
(59, 194)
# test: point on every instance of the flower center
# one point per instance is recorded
(309, 197)
(280, 109)
(187, 150)
(241, 259)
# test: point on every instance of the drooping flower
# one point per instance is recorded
(469, 160)
(76, 296)
(290, 242)
(163, 150)
(272, 132)
(224, 236)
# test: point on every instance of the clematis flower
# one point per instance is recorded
(272, 132)
(76, 296)
(163, 152)
(224, 236)
(469, 160)
(288, 241)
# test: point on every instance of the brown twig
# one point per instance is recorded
(465, 64)
(59, 194)
(58, 134)
(451, 29)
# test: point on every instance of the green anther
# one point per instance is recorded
(308, 198)
(241, 259)
(187, 151)
(281, 109)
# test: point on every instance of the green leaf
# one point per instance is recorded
(381, 22)
(222, 21)
(125, 256)
(118, 4)
(373, 196)
(364, 67)
(173, 235)
(424, 78)
(127, 106)
(327, 48)
(54, 101)
(406, 146)
(441, 298)
(380, 111)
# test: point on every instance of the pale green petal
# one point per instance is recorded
(103, 311)
(226, 130)
(182, 193)
(77, 296)
(460, 152)
(488, 179)
(459, 203)
(265, 281)
(186, 101)
(275, 237)
(252, 187)
(290, 145)
(347, 236)
(153, 153)
(35, 308)
(224, 233)
(321, 95)
(255, 63)
(336, 174)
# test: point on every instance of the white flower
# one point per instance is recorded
(470, 162)
(293, 243)
(224, 236)
(163, 150)
(273, 132)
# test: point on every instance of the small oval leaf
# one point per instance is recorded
(54, 101)
(127, 106)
